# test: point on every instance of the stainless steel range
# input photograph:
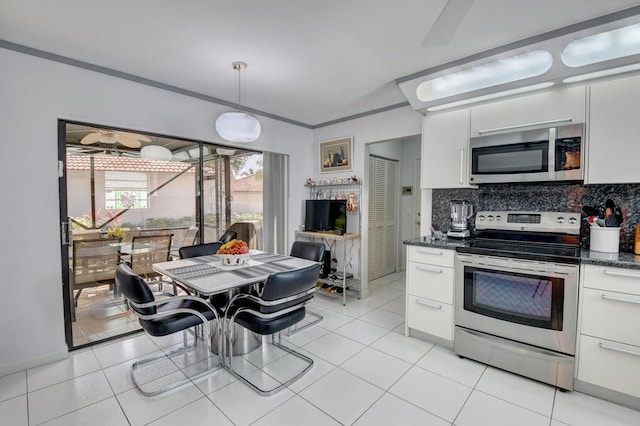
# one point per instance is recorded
(516, 294)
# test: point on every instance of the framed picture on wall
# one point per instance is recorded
(336, 155)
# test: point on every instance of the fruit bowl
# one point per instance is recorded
(234, 259)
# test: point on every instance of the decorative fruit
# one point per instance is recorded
(234, 247)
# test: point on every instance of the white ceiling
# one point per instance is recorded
(309, 61)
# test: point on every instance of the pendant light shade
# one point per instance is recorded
(155, 152)
(238, 126)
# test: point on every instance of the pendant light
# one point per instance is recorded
(238, 126)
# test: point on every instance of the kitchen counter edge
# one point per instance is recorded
(615, 260)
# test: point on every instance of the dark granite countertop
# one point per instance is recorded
(587, 257)
(615, 260)
(446, 243)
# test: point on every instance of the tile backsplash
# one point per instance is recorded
(543, 197)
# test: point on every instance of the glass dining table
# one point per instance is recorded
(206, 276)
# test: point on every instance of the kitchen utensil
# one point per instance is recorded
(609, 204)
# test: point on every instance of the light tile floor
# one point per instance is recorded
(365, 373)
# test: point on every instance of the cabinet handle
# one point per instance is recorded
(517, 126)
(432, 305)
(428, 269)
(624, 351)
(620, 299)
(620, 274)
(437, 253)
(461, 166)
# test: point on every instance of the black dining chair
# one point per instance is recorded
(199, 250)
(168, 316)
(228, 236)
(218, 300)
(310, 251)
(278, 307)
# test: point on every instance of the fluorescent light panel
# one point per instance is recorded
(507, 70)
(491, 96)
(602, 47)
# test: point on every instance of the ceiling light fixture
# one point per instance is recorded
(506, 70)
(602, 47)
(225, 151)
(156, 152)
(238, 126)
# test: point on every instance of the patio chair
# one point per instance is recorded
(280, 306)
(147, 250)
(93, 264)
(165, 317)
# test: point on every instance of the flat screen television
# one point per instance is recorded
(326, 215)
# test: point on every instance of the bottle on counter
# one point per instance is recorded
(636, 240)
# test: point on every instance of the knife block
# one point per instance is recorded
(636, 240)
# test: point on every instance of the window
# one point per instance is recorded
(125, 190)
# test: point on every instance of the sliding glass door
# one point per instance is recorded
(116, 189)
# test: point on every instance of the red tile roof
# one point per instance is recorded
(246, 184)
(124, 164)
(128, 164)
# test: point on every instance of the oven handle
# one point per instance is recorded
(428, 269)
(620, 299)
(428, 304)
(620, 274)
(509, 265)
(624, 351)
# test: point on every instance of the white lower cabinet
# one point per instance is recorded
(609, 350)
(430, 278)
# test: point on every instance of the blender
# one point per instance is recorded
(461, 211)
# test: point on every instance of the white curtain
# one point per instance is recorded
(276, 202)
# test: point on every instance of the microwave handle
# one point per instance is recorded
(552, 153)
(518, 126)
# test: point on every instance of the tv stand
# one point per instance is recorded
(343, 280)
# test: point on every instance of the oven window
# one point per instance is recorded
(526, 299)
(527, 157)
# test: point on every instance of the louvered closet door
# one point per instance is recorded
(383, 187)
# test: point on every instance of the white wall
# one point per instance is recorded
(34, 94)
(384, 126)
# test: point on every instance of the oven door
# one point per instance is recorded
(522, 300)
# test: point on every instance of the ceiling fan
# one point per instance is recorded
(128, 139)
(447, 23)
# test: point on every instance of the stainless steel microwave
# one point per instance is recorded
(541, 155)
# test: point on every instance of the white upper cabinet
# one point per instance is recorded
(614, 129)
(445, 150)
(549, 107)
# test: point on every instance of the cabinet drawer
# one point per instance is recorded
(612, 279)
(430, 316)
(430, 255)
(609, 364)
(613, 316)
(430, 281)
